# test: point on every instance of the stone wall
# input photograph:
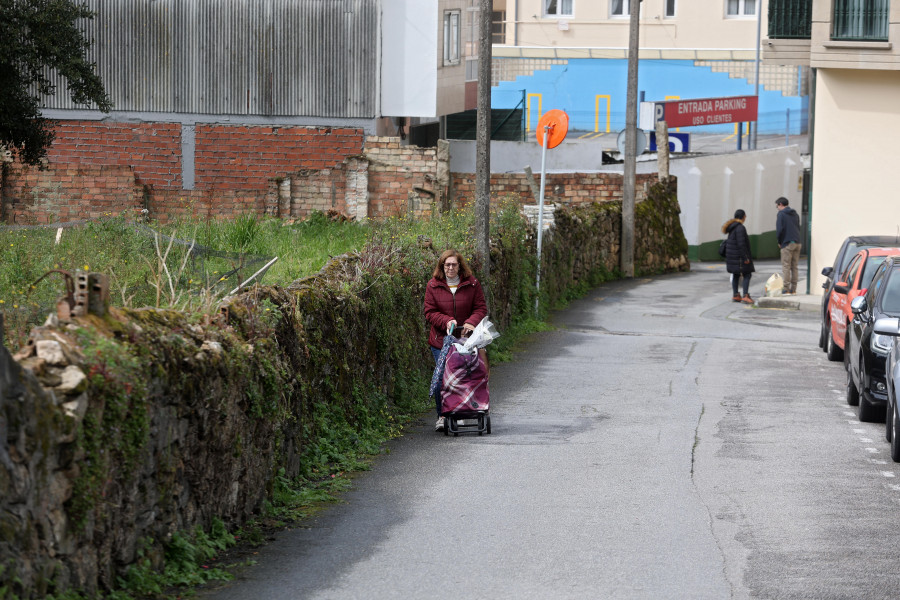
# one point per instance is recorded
(146, 422)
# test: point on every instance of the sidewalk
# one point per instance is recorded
(800, 301)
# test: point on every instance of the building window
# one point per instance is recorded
(670, 8)
(860, 20)
(619, 8)
(498, 27)
(451, 37)
(558, 8)
(740, 8)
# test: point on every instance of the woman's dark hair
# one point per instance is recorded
(739, 214)
(464, 270)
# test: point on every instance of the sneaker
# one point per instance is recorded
(787, 292)
(735, 298)
(439, 426)
(747, 299)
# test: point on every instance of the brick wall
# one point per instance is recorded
(236, 169)
(402, 179)
(153, 150)
(70, 194)
(565, 188)
(237, 157)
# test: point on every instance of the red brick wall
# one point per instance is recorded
(152, 149)
(565, 188)
(237, 157)
(236, 169)
(71, 193)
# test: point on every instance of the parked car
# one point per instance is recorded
(891, 327)
(851, 283)
(848, 250)
(867, 350)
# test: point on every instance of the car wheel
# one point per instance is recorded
(852, 394)
(847, 349)
(867, 412)
(889, 423)
(895, 440)
(823, 334)
(822, 331)
(834, 353)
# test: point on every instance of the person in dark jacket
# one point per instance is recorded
(738, 260)
(787, 231)
(453, 297)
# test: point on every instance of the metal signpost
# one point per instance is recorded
(551, 131)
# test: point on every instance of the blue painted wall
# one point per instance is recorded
(573, 87)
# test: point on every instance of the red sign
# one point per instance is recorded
(707, 111)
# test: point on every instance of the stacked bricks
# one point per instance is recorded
(240, 157)
(401, 178)
(565, 188)
(36, 197)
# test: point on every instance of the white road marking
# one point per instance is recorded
(894, 487)
(872, 450)
(853, 422)
(888, 474)
(859, 431)
(878, 461)
(867, 440)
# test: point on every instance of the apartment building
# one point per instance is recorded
(853, 50)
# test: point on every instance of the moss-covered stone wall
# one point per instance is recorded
(117, 432)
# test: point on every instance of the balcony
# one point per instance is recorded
(860, 20)
(790, 19)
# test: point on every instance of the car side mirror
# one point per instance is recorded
(827, 271)
(859, 305)
(887, 326)
(841, 287)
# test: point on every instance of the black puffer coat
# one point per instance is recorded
(737, 248)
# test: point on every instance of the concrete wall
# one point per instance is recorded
(711, 188)
(855, 179)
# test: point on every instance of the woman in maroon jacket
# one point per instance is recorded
(453, 296)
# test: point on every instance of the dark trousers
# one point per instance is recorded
(735, 279)
(436, 352)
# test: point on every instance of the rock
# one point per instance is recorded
(52, 320)
(212, 347)
(51, 351)
(73, 381)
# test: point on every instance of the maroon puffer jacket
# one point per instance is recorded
(442, 306)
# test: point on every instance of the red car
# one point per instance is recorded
(851, 283)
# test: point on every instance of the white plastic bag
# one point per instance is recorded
(483, 334)
(774, 285)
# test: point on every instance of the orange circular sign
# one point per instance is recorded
(556, 123)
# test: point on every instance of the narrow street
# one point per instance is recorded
(662, 442)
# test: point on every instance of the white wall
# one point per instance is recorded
(711, 188)
(409, 46)
(855, 158)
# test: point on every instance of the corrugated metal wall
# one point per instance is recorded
(239, 57)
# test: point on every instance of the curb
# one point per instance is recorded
(785, 304)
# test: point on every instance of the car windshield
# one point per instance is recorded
(890, 300)
(869, 272)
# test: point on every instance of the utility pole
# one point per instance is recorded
(483, 143)
(754, 125)
(626, 253)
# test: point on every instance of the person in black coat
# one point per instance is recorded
(738, 260)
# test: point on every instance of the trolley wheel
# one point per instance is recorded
(488, 426)
(446, 425)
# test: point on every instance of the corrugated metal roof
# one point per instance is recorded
(237, 57)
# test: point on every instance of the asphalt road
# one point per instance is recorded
(662, 442)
